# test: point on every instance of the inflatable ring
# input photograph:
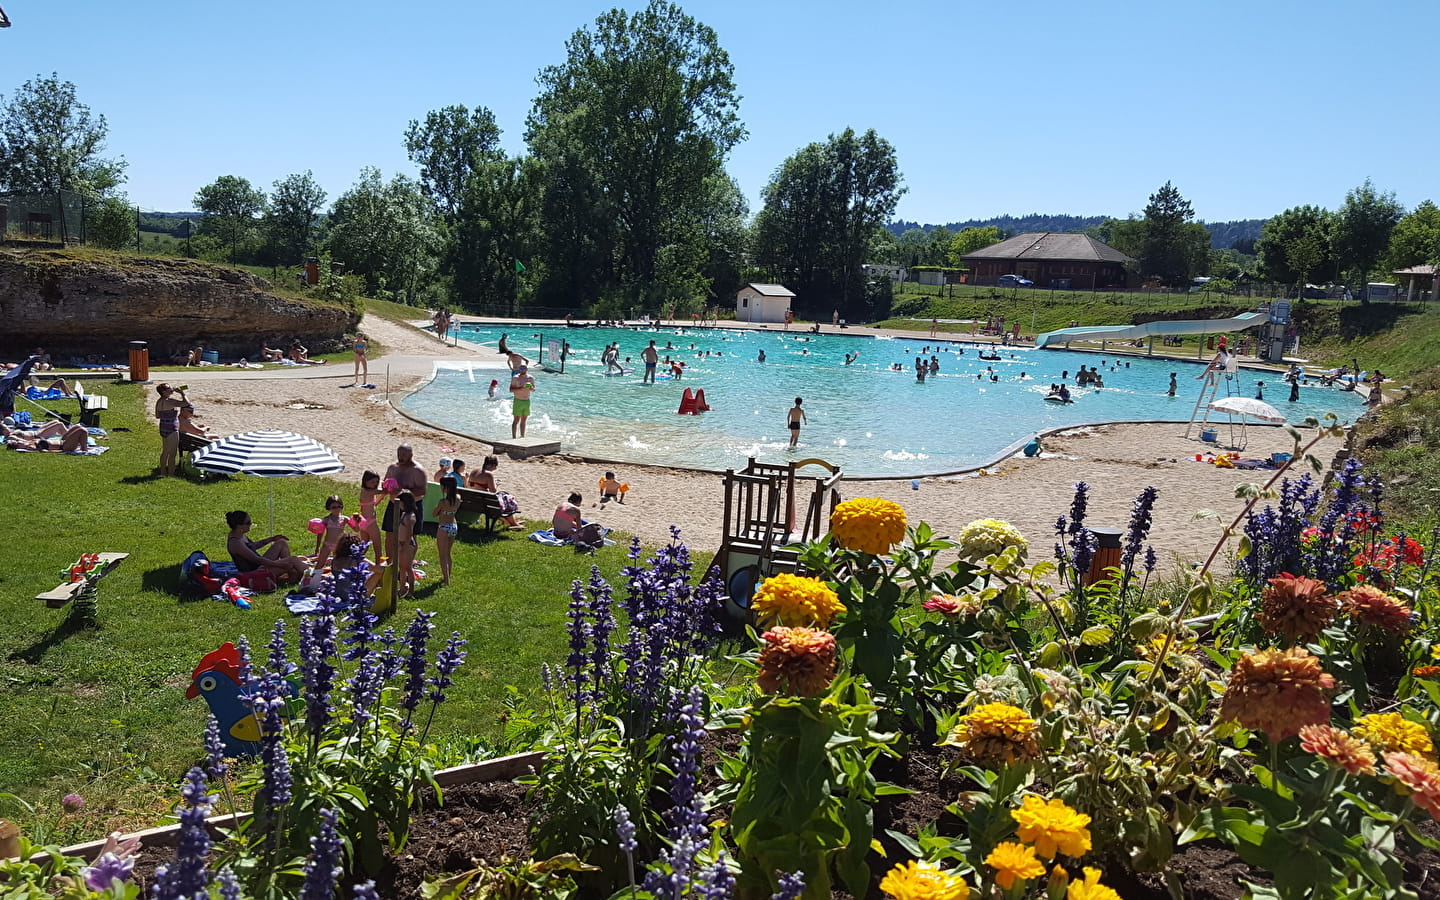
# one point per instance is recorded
(316, 526)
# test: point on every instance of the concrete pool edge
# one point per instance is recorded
(1002, 455)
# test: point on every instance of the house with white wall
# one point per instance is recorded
(762, 303)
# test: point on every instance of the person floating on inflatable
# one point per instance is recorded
(610, 489)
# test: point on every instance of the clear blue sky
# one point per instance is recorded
(993, 108)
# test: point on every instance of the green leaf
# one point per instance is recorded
(1096, 635)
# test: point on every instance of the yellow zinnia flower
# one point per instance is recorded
(1052, 826)
(921, 880)
(1014, 862)
(1090, 888)
(987, 537)
(995, 734)
(795, 600)
(868, 524)
(1394, 733)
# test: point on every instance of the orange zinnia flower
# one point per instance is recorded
(1278, 692)
(1296, 608)
(796, 661)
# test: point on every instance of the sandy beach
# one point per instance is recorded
(1117, 461)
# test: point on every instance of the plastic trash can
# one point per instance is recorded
(211, 356)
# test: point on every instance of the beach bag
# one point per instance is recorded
(588, 537)
(508, 504)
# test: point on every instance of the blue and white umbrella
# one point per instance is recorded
(267, 454)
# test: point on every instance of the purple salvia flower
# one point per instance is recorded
(390, 661)
(363, 689)
(1140, 518)
(446, 662)
(625, 830)
(417, 636)
(687, 810)
(229, 884)
(366, 891)
(360, 634)
(715, 881)
(277, 783)
(579, 644)
(1151, 560)
(602, 620)
(792, 885)
(107, 869)
(188, 876)
(1083, 544)
(322, 871)
(547, 680)
(243, 670)
(215, 766)
(1078, 507)
(317, 649)
(278, 660)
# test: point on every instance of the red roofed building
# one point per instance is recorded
(1051, 259)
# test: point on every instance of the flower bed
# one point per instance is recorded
(1004, 726)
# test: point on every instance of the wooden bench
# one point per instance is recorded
(474, 505)
(66, 592)
(91, 405)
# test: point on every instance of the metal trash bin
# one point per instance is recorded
(139, 361)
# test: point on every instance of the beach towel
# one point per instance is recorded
(302, 604)
(94, 450)
(547, 537)
(34, 393)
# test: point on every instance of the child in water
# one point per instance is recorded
(494, 387)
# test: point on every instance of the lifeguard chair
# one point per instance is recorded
(764, 523)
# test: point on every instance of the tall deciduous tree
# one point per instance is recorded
(968, 240)
(631, 127)
(1416, 239)
(230, 204)
(383, 232)
(450, 146)
(496, 225)
(822, 207)
(49, 141)
(1367, 218)
(295, 205)
(1297, 246)
(1173, 248)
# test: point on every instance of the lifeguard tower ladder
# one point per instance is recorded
(1229, 378)
(764, 523)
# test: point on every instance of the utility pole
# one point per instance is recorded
(137, 230)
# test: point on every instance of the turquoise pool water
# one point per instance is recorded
(868, 419)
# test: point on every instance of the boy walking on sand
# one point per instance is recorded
(796, 418)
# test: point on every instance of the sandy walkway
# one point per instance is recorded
(1116, 461)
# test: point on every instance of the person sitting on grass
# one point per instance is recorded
(247, 556)
(566, 520)
(349, 555)
(300, 355)
(271, 354)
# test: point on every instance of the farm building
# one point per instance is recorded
(1051, 260)
(762, 303)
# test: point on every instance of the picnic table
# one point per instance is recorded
(104, 564)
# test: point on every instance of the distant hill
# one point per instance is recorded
(1223, 235)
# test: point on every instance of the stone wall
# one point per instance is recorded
(89, 303)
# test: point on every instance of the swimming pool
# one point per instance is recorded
(865, 417)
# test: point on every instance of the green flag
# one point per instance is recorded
(519, 266)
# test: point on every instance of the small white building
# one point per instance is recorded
(762, 303)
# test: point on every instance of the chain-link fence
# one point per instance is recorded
(57, 217)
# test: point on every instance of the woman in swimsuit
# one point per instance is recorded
(362, 365)
(167, 411)
(566, 520)
(368, 525)
(446, 530)
(484, 480)
(247, 556)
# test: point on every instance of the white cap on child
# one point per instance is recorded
(444, 462)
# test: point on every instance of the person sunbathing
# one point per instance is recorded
(188, 425)
(70, 439)
(271, 355)
(59, 384)
(247, 556)
(195, 357)
(300, 355)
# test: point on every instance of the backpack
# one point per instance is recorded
(588, 537)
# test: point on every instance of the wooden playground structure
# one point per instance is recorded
(769, 510)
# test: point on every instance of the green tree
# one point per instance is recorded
(971, 239)
(1173, 248)
(49, 141)
(631, 128)
(1415, 240)
(496, 223)
(295, 205)
(795, 228)
(383, 232)
(869, 188)
(1299, 234)
(230, 204)
(1366, 221)
(451, 146)
(110, 223)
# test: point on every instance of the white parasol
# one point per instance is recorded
(1246, 408)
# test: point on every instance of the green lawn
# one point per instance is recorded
(103, 712)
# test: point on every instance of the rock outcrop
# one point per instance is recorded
(87, 303)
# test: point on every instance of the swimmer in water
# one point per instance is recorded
(494, 387)
(516, 360)
(761, 357)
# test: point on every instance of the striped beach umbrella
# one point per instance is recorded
(269, 454)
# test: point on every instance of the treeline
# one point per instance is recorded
(1239, 234)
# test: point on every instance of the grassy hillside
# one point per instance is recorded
(1401, 442)
(1402, 339)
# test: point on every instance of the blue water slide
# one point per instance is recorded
(1149, 329)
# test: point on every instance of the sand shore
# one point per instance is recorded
(1117, 461)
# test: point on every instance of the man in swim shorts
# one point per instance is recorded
(651, 357)
(796, 418)
(410, 477)
(517, 362)
(522, 386)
